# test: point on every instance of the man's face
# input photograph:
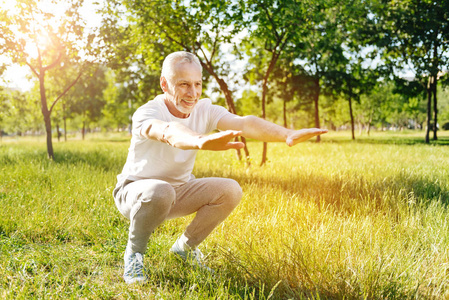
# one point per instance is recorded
(184, 90)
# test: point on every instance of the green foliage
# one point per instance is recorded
(87, 98)
(33, 35)
(20, 113)
(445, 126)
(413, 32)
(321, 52)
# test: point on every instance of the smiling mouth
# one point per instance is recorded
(188, 102)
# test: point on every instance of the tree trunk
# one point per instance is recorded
(229, 102)
(285, 112)
(64, 118)
(46, 114)
(265, 146)
(274, 58)
(351, 114)
(83, 130)
(65, 129)
(315, 100)
(47, 121)
(429, 111)
(57, 132)
(435, 107)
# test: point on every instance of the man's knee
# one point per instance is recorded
(161, 195)
(233, 192)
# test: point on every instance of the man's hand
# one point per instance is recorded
(298, 136)
(220, 141)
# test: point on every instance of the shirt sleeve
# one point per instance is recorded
(216, 112)
(142, 114)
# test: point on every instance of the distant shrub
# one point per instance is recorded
(446, 126)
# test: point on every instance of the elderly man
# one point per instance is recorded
(156, 183)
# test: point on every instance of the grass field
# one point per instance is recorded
(338, 219)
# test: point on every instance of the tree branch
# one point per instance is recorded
(67, 89)
(53, 64)
(205, 57)
(32, 68)
(167, 34)
(270, 19)
(214, 48)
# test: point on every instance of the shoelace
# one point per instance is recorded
(135, 263)
(138, 263)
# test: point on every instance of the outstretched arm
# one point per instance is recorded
(180, 136)
(262, 130)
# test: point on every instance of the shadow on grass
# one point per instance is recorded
(337, 192)
(97, 159)
(389, 140)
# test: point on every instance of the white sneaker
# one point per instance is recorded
(188, 254)
(134, 269)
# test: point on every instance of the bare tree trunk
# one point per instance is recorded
(435, 108)
(83, 130)
(429, 112)
(370, 119)
(275, 53)
(435, 63)
(229, 102)
(57, 132)
(315, 100)
(264, 94)
(285, 112)
(351, 114)
(46, 114)
(65, 129)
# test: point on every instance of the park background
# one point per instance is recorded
(359, 213)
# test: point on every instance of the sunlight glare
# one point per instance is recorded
(38, 36)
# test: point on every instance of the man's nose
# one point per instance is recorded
(192, 91)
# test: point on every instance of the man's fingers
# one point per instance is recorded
(222, 140)
(303, 135)
(236, 145)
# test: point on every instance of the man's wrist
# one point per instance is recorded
(199, 142)
(288, 133)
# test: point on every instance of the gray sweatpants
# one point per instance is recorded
(147, 203)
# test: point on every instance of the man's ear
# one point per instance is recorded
(164, 84)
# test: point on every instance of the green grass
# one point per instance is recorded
(339, 219)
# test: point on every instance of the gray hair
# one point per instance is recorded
(177, 57)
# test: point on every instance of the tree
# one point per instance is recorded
(353, 73)
(116, 111)
(3, 110)
(87, 96)
(414, 34)
(20, 114)
(319, 50)
(275, 24)
(136, 71)
(200, 27)
(33, 36)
